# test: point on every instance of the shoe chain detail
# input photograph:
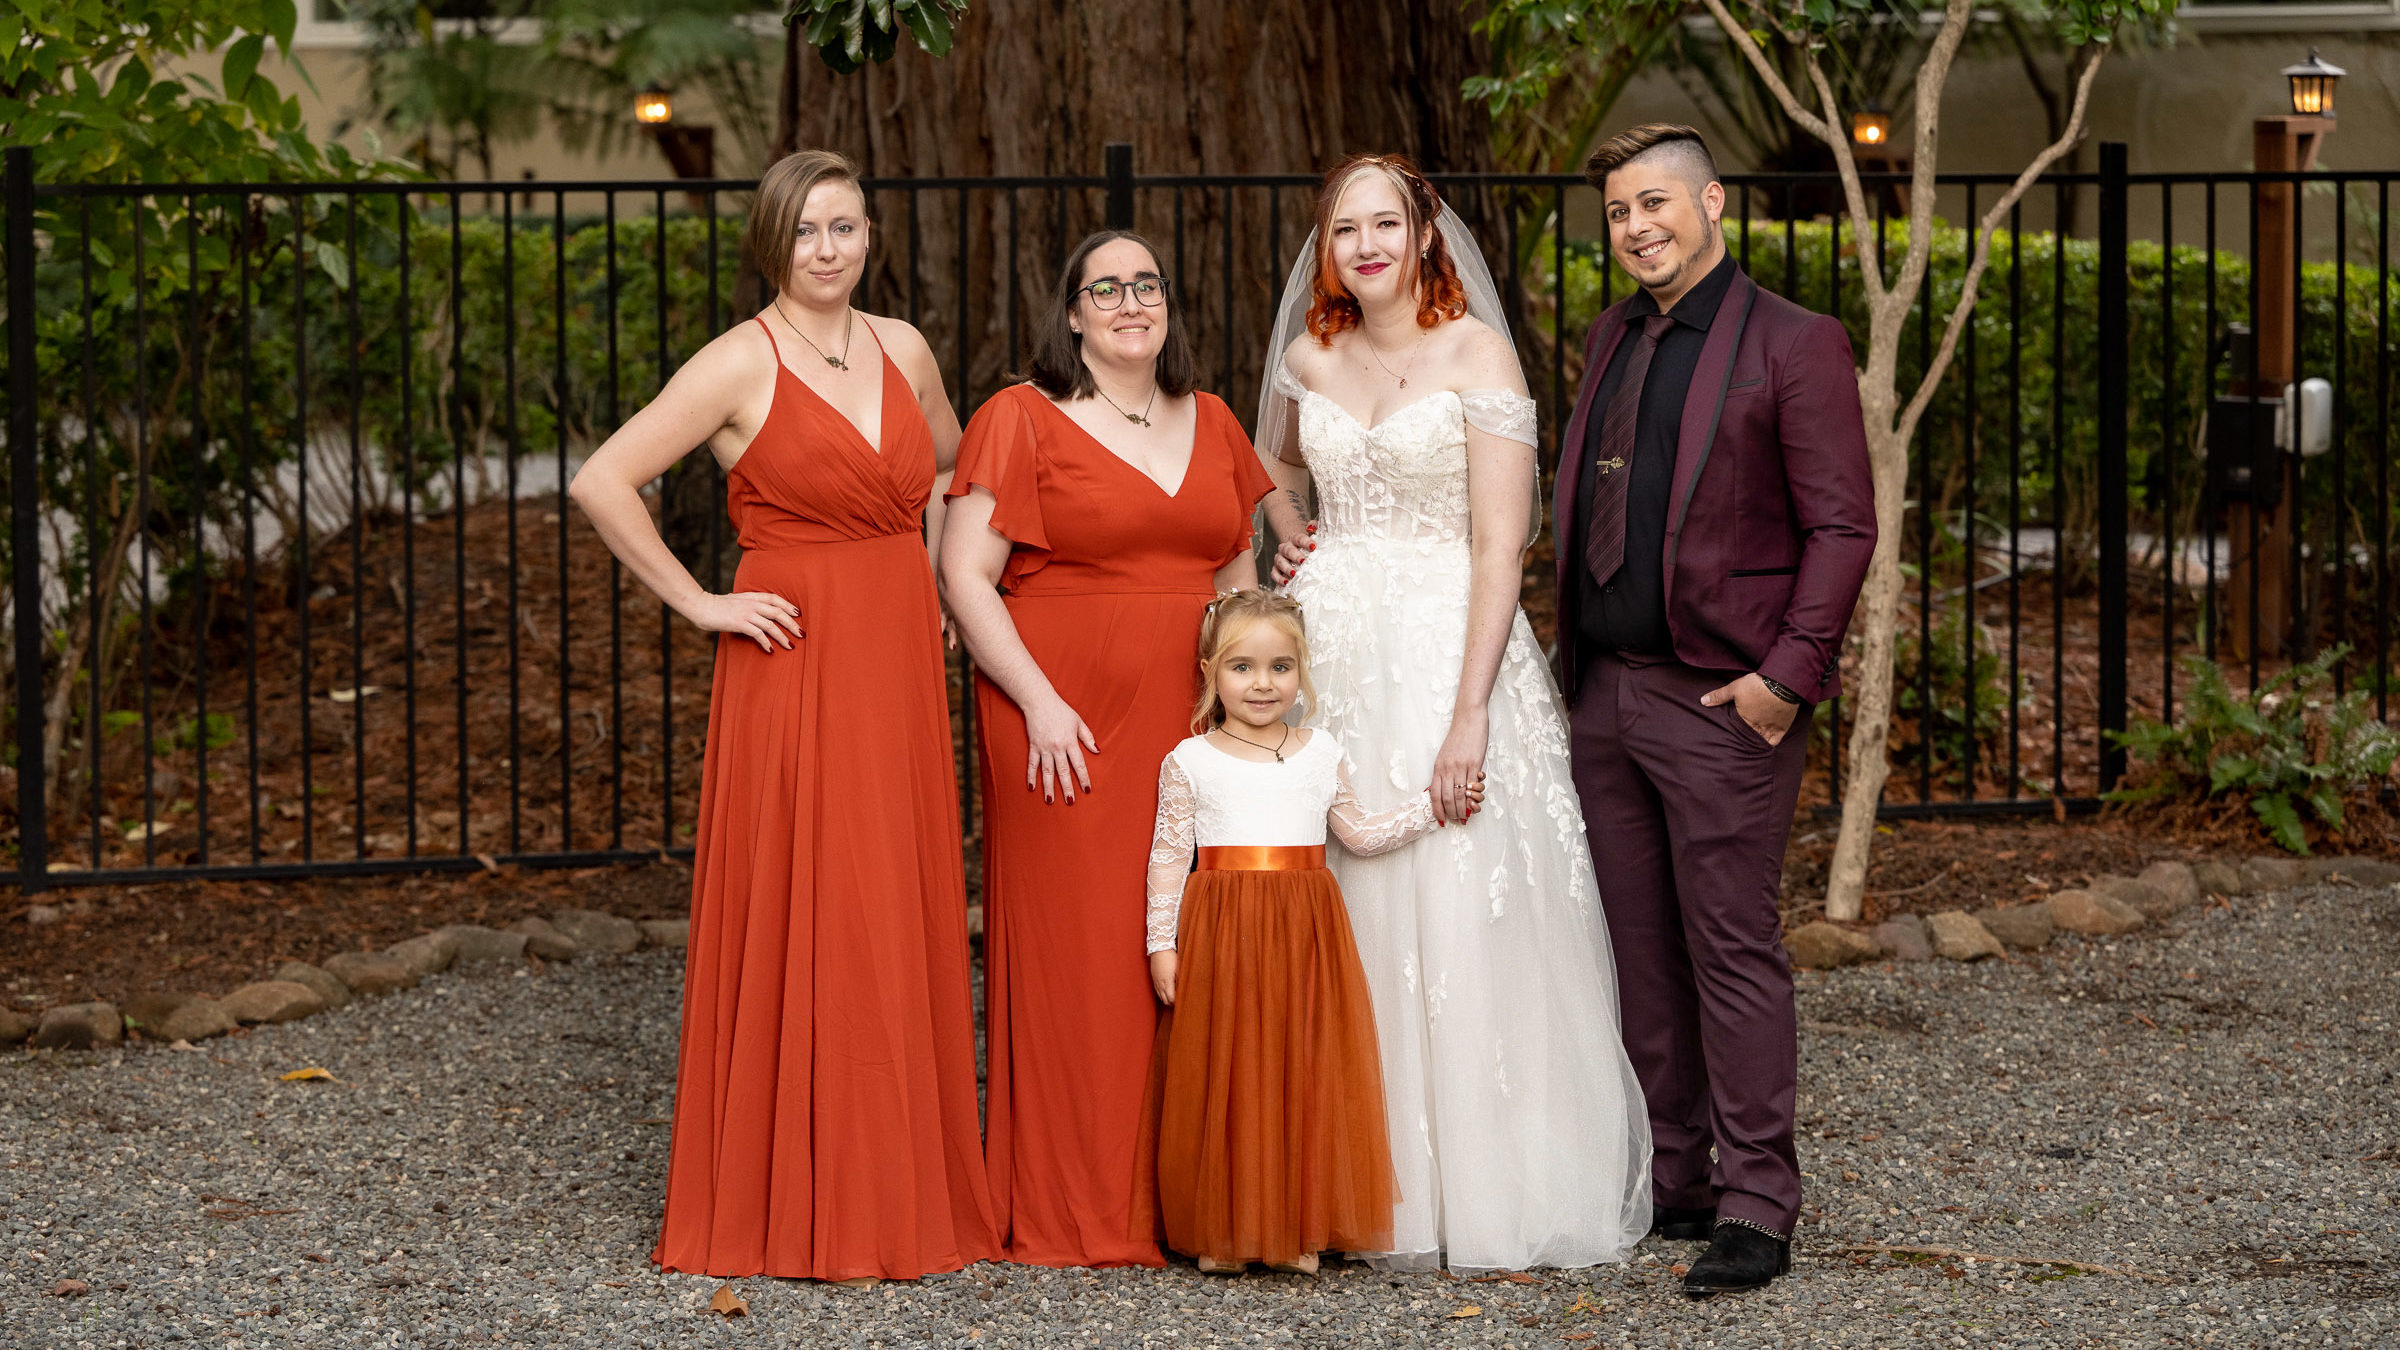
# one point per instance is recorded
(1754, 1227)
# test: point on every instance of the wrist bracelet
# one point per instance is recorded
(1778, 690)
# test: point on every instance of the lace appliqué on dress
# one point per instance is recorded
(1501, 413)
(1170, 854)
(1367, 833)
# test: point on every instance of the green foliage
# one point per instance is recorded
(1937, 683)
(2291, 747)
(2035, 314)
(850, 34)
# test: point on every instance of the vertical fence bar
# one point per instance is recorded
(2249, 552)
(1923, 449)
(2301, 639)
(1558, 330)
(24, 528)
(2166, 451)
(2016, 490)
(2337, 528)
(2115, 500)
(2383, 448)
(1117, 159)
(249, 469)
(458, 509)
(198, 431)
(91, 542)
(358, 527)
(510, 447)
(401, 217)
(2211, 620)
(141, 525)
(2058, 492)
(559, 511)
(666, 616)
(1225, 371)
(616, 570)
(1971, 597)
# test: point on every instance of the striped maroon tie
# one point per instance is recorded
(1604, 534)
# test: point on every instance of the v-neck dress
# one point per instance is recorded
(825, 1114)
(1106, 584)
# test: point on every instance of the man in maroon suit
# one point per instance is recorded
(1715, 516)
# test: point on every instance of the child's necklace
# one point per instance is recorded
(1276, 749)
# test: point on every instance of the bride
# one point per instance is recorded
(1517, 1126)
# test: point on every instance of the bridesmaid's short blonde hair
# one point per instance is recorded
(1230, 616)
(782, 196)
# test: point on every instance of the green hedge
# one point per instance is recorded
(2051, 303)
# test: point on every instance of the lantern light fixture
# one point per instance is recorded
(1871, 126)
(2312, 84)
(653, 107)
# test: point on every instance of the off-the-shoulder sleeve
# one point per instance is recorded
(1170, 855)
(1250, 480)
(1367, 833)
(1000, 452)
(1502, 413)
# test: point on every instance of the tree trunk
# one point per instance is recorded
(1871, 700)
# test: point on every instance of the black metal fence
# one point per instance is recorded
(295, 587)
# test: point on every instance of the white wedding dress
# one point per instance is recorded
(1518, 1128)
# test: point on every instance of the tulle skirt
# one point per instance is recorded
(1266, 1088)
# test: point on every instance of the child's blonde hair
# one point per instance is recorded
(1227, 618)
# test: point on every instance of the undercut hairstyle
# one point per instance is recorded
(1440, 294)
(1670, 143)
(782, 198)
(1058, 369)
(1226, 619)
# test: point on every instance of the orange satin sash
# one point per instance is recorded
(1261, 857)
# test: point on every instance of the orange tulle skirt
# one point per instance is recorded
(1266, 1091)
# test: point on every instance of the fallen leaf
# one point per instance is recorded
(311, 1075)
(70, 1289)
(184, 1045)
(1679, 1270)
(1470, 1310)
(728, 1303)
(1870, 1136)
(1576, 1336)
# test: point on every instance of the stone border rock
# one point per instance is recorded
(2111, 906)
(298, 989)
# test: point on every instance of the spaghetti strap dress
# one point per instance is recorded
(825, 1111)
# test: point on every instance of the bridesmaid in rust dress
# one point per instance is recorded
(825, 1097)
(1096, 509)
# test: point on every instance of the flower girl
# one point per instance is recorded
(1266, 1091)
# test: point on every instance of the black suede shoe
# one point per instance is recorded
(1739, 1257)
(1682, 1225)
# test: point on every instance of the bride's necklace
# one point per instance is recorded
(841, 362)
(1415, 349)
(1142, 417)
(1276, 749)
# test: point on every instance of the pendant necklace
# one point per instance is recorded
(1276, 749)
(849, 316)
(1142, 417)
(1414, 348)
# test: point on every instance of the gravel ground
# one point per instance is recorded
(2210, 1111)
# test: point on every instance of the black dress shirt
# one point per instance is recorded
(1629, 614)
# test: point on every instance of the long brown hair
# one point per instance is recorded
(782, 196)
(1227, 618)
(1440, 294)
(1058, 369)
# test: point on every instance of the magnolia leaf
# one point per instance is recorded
(309, 1075)
(728, 1303)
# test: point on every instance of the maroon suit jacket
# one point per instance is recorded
(1772, 518)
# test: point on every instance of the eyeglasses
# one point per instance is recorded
(1109, 293)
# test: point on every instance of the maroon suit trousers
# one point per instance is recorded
(1687, 810)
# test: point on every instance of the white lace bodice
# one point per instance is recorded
(1405, 478)
(1207, 799)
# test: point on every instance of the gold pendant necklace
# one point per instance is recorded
(849, 318)
(1142, 417)
(1414, 348)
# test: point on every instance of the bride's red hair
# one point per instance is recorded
(1440, 294)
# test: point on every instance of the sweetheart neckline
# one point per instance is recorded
(1388, 418)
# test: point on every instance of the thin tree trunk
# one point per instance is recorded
(1871, 698)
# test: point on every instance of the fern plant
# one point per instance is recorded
(2290, 747)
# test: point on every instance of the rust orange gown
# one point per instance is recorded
(825, 1120)
(1106, 584)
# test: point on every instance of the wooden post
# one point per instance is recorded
(2281, 144)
